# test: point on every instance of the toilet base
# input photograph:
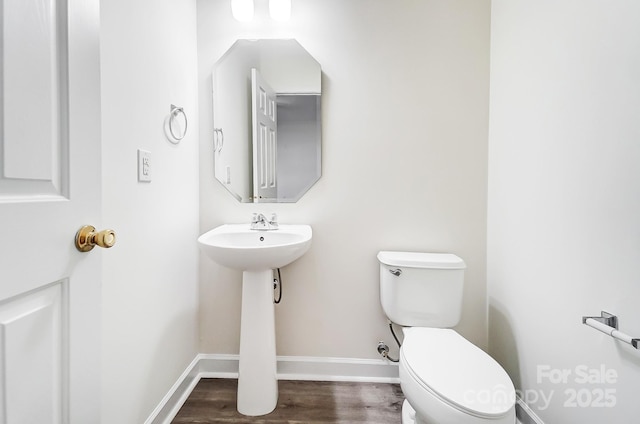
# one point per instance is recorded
(409, 414)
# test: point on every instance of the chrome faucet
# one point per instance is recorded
(259, 222)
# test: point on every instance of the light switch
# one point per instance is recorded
(144, 165)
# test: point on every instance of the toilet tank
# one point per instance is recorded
(421, 289)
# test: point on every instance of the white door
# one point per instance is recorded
(264, 118)
(49, 187)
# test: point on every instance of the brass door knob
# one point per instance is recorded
(87, 238)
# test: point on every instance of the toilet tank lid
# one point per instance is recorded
(421, 260)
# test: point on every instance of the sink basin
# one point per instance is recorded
(256, 253)
(237, 246)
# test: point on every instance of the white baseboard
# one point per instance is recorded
(177, 395)
(289, 368)
(525, 414)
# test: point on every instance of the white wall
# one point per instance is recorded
(564, 204)
(405, 123)
(150, 290)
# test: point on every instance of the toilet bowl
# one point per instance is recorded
(447, 379)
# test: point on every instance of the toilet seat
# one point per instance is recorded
(458, 373)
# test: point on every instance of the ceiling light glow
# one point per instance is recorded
(242, 10)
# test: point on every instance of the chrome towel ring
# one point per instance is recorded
(173, 133)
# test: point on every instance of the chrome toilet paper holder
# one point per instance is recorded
(608, 324)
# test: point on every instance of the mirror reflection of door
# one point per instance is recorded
(264, 120)
(295, 77)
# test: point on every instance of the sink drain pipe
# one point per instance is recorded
(277, 284)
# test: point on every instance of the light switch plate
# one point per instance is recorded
(144, 165)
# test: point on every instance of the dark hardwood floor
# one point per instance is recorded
(300, 402)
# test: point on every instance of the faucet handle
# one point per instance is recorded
(274, 221)
(258, 217)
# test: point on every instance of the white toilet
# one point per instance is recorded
(445, 378)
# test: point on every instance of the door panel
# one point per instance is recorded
(264, 120)
(34, 75)
(49, 187)
(34, 359)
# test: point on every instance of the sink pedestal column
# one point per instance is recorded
(257, 380)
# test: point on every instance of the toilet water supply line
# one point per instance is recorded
(383, 349)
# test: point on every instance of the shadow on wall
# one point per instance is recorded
(502, 342)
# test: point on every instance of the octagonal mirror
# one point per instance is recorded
(267, 120)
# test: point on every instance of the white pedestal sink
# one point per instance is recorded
(256, 253)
